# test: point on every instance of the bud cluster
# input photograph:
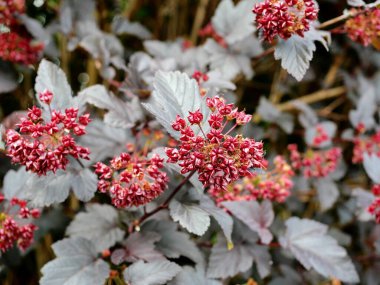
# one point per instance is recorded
(16, 45)
(8, 10)
(18, 49)
(365, 144)
(321, 136)
(131, 180)
(199, 76)
(315, 163)
(274, 185)
(364, 28)
(217, 157)
(284, 18)
(12, 230)
(44, 146)
(374, 208)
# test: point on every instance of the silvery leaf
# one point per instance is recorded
(191, 276)
(371, 164)
(120, 114)
(8, 78)
(327, 191)
(138, 246)
(124, 26)
(297, 52)
(224, 220)
(309, 243)
(51, 77)
(174, 243)
(104, 141)
(99, 224)
(190, 216)
(175, 94)
(364, 199)
(151, 273)
(271, 114)
(365, 111)
(232, 22)
(258, 217)
(76, 263)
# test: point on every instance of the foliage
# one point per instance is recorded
(182, 151)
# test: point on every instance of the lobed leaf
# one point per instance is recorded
(151, 273)
(190, 216)
(120, 114)
(232, 22)
(99, 224)
(76, 263)
(258, 217)
(175, 94)
(371, 164)
(51, 77)
(309, 243)
(297, 52)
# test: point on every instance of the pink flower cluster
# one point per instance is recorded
(209, 31)
(284, 18)
(199, 76)
(365, 144)
(364, 28)
(45, 146)
(274, 184)
(217, 157)
(11, 231)
(374, 208)
(17, 45)
(8, 9)
(18, 49)
(132, 180)
(315, 163)
(321, 136)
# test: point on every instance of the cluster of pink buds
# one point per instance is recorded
(8, 9)
(209, 31)
(199, 76)
(365, 144)
(45, 146)
(320, 137)
(18, 49)
(217, 157)
(364, 28)
(315, 163)
(17, 45)
(374, 208)
(274, 185)
(12, 230)
(284, 18)
(131, 180)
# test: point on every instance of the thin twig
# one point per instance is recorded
(333, 21)
(329, 108)
(308, 99)
(344, 17)
(264, 53)
(313, 97)
(199, 18)
(333, 71)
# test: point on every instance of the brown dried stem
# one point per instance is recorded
(199, 18)
(313, 97)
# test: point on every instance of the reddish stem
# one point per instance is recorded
(164, 205)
